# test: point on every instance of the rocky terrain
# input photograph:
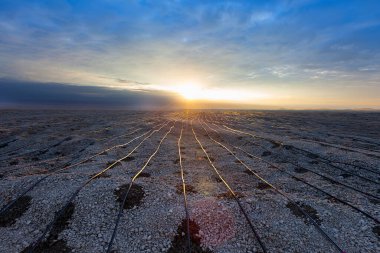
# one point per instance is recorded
(189, 181)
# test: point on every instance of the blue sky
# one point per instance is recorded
(300, 54)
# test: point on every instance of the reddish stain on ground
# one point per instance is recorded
(216, 221)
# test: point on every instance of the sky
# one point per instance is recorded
(242, 54)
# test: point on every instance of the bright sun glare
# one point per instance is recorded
(193, 91)
(190, 91)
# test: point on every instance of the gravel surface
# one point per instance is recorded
(304, 180)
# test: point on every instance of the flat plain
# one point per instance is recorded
(189, 181)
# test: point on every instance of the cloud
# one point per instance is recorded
(15, 93)
(125, 81)
(137, 44)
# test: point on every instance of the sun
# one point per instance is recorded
(190, 91)
(194, 91)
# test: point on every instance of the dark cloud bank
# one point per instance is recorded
(27, 94)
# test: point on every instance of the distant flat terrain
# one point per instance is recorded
(189, 181)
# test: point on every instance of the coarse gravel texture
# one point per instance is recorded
(326, 163)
